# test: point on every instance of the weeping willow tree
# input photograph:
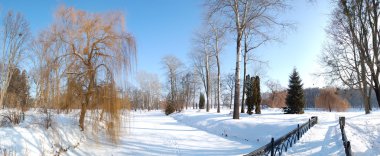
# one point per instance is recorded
(96, 49)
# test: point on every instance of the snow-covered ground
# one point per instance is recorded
(31, 137)
(195, 132)
(256, 130)
(153, 133)
(363, 131)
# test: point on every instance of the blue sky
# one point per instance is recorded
(163, 27)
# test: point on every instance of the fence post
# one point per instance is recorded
(272, 150)
(342, 121)
(315, 118)
(298, 131)
(348, 149)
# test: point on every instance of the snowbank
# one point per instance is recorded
(31, 138)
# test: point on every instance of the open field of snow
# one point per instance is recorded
(195, 132)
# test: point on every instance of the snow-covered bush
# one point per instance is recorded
(11, 117)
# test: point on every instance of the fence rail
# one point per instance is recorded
(346, 143)
(277, 147)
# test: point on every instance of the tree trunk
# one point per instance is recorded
(218, 87)
(237, 77)
(245, 73)
(82, 115)
(232, 93)
(364, 87)
(5, 85)
(375, 32)
(208, 85)
(87, 98)
(377, 93)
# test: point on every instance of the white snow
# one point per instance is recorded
(325, 138)
(153, 133)
(195, 132)
(31, 138)
(257, 130)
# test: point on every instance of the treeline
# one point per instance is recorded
(341, 98)
(187, 84)
(146, 94)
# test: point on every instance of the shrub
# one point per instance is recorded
(11, 117)
(169, 108)
(275, 99)
(329, 99)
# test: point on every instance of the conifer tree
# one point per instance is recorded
(13, 91)
(202, 101)
(256, 94)
(252, 90)
(249, 89)
(295, 98)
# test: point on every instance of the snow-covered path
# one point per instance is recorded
(325, 137)
(153, 133)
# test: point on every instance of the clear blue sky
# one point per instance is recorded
(163, 27)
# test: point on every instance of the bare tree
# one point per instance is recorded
(218, 36)
(43, 54)
(173, 67)
(228, 82)
(202, 62)
(241, 13)
(187, 90)
(151, 89)
(277, 95)
(15, 33)
(348, 56)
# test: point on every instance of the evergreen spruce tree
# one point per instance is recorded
(295, 98)
(202, 101)
(256, 94)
